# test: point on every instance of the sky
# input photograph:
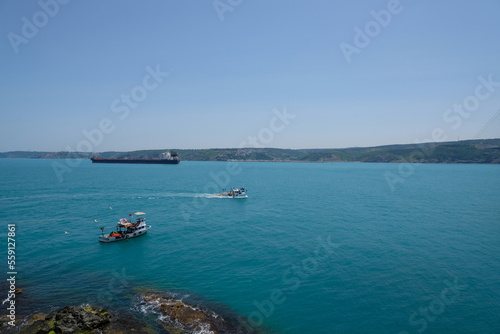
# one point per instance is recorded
(109, 75)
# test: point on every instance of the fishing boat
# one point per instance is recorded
(234, 193)
(127, 229)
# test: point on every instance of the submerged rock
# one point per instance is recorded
(179, 317)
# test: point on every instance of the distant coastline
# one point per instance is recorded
(482, 151)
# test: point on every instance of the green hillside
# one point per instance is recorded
(475, 151)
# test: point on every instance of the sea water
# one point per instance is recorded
(315, 248)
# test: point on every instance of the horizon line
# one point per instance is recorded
(275, 148)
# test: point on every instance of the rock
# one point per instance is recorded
(36, 325)
(69, 319)
(179, 317)
(37, 316)
(80, 319)
(87, 319)
(176, 317)
(4, 321)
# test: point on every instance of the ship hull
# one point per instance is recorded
(135, 161)
(126, 236)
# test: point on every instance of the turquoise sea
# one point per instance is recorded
(316, 248)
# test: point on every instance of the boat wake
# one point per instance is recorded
(232, 193)
(174, 195)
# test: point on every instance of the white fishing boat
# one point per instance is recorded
(234, 193)
(126, 229)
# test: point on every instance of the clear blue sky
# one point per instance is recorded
(227, 76)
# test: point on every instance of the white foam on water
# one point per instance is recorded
(203, 329)
(172, 195)
(153, 306)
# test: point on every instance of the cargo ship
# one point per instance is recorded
(167, 158)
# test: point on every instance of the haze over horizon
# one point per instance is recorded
(118, 76)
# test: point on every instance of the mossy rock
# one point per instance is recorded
(52, 324)
(69, 319)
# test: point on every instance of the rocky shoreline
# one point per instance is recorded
(81, 319)
(172, 317)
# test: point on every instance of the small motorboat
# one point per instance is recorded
(126, 229)
(234, 193)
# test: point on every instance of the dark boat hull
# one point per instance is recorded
(135, 161)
